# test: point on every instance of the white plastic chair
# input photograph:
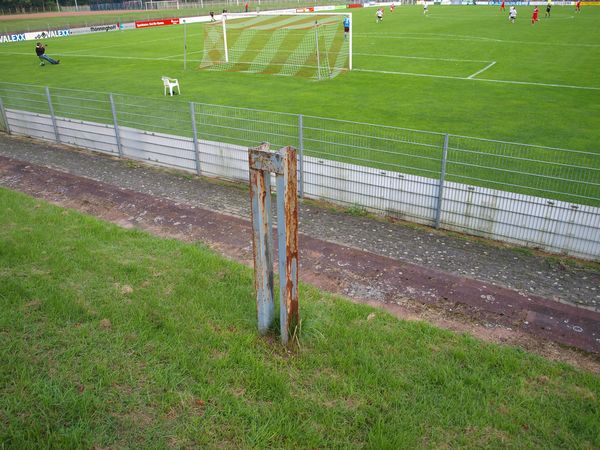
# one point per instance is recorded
(171, 83)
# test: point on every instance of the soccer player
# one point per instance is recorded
(534, 16)
(212, 16)
(40, 51)
(425, 10)
(502, 8)
(512, 14)
(346, 27)
(246, 6)
(548, 8)
(392, 6)
(578, 6)
(379, 15)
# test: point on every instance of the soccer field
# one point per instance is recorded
(463, 70)
(460, 70)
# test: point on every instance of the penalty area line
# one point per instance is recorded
(489, 80)
(482, 70)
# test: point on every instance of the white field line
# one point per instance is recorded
(482, 70)
(180, 55)
(526, 83)
(124, 44)
(140, 58)
(455, 37)
(387, 72)
(421, 57)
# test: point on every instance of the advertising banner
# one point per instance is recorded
(12, 37)
(196, 19)
(156, 23)
(33, 35)
(95, 29)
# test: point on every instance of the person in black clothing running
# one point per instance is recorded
(40, 51)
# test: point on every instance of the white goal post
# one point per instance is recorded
(291, 44)
(162, 4)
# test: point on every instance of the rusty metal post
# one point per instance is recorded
(287, 239)
(262, 241)
(284, 164)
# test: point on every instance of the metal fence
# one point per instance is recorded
(524, 194)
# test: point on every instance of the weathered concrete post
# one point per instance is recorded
(284, 164)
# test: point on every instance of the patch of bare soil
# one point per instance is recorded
(408, 291)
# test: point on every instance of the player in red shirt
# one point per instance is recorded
(534, 17)
(578, 6)
(392, 6)
(502, 8)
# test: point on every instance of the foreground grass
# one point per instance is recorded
(115, 338)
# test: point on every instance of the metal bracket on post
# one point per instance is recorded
(116, 125)
(3, 116)
(51, 110)
(438, 206)
(195, 130)
(284, 164)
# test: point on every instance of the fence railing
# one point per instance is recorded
(525, 194)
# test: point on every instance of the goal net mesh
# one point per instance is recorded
(296, 45)
(162, 4)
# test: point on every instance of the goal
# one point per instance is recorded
(312, 45)
(162, 4)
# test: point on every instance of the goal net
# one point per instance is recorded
(296, 44)
(162, 4)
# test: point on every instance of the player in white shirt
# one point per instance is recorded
(425, 10)
(512, 14)
(379, 15)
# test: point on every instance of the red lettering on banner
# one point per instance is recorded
(156, 23)
(354, 5)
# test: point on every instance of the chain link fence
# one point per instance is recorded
(524, 194)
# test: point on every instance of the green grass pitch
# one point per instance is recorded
(463, 70)
(408, 58)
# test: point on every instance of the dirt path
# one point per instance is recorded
(410, 291)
